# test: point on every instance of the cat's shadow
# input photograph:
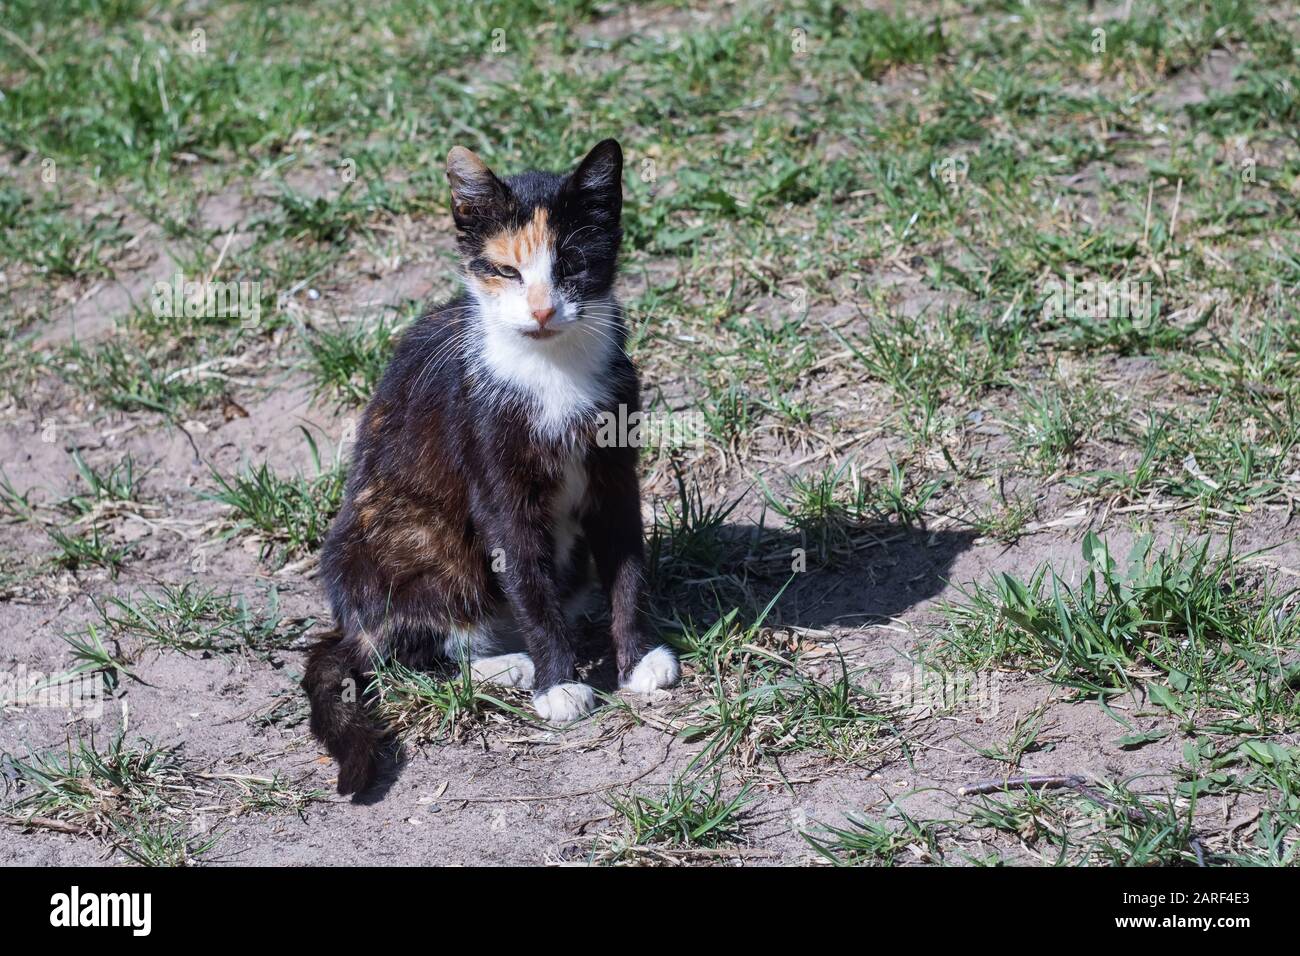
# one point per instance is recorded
(876, 573)
(868, 575)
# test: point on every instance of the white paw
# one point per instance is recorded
(657, 669)
(508, 670)
(564, 702)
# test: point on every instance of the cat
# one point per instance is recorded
(479, 498)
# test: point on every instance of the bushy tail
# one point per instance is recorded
(339, 716)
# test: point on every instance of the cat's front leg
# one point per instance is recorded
(614, 533)
(520, 537)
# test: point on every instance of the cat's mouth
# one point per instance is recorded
(541, 334)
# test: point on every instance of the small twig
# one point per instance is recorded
(47, 823)
(714, 852)
(1036, 781)
(221, 257)
(1173, 218)
(1079, 784)
(237, 777)
(1146, 224)
(18, 41)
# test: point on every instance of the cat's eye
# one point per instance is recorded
(506, 272)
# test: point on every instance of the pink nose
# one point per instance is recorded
(543, 316)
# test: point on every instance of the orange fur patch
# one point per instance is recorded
(516, 246)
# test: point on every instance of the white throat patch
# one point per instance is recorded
(564, 378)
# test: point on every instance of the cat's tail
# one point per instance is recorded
(340, 719)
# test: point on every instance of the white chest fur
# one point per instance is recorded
(566, 510)
(562, 382)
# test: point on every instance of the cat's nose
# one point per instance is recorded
(543, 316)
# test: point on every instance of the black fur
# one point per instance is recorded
(335, 683)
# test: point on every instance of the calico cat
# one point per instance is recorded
(479, 497)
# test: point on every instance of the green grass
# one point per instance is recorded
(689, 538)
(691, 813)
(289, 516)
(426, 706)
(91, 655)
(131, 795)
(118, 484)
(327, 219)
(867, 842)
(758, 702)
(123, 794)
(86, 542)
(834, 508)
(276, 794)
(139, 379)
(1192, 627)
(1023, 739)
(163, 844)
(1050, 425)
(1107, 826)
(192, 619)
(55, 244)
(346, 363)
(81, 549)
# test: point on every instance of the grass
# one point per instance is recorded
(1114, 826)
(162, 844)
(192, 619)
(1183, 623)
(275, 794)
(758, 702)
(289, 516)
(132, 378)
(1050, 426)
(689, 538)
(130, 795)
(122, 794)
(426, 706)
(55, 244)
(85, 542)
(119, 483)
(89, 652)
(86, 549)
(1023, 739)
(866, 842)
(755, 712)
(691, 816)
(832, 508)
(346, 363)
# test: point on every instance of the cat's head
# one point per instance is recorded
(539, 249)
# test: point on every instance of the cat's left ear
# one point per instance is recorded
(475, 189)
(599, 177)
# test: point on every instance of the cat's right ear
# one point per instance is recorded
(599, 177)
(475, 189)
